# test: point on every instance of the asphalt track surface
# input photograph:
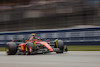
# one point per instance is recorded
(67, 59)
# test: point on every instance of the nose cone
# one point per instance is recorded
(51, 50)
(47, 46)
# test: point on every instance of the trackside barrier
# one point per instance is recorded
(77, 36)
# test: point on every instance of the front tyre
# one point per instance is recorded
(29, 48)
(11, 48)
(59, 44)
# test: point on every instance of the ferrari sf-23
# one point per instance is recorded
(35, 46)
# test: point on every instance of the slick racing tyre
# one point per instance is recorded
(59, 44)
(30, 48)
(11, 48)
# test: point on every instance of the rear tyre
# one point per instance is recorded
(11, 48)
(59, 44)
(29, 48)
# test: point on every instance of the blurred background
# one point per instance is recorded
(18, 15)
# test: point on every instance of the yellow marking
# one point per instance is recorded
(7, 49)
(56, 43)
(26, 48)
(34, 46)
(34, 43)
(33, 34)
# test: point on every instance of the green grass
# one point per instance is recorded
(2, 48)
(74, 48)
(83, 48)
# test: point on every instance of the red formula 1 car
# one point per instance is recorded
(35, 46)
